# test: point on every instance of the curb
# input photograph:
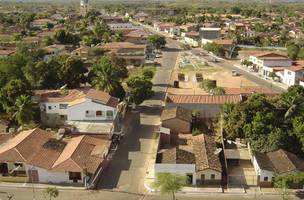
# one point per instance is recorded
(41, 187)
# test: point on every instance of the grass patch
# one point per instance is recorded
(137, 71)
(13, 179)
(200, 68)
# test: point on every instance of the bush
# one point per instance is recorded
(208, 85)
(148, 73)
(218, 91)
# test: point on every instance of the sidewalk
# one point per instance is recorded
(39, 186)
(281, 85)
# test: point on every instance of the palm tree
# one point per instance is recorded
(106, 78)
(23, 109)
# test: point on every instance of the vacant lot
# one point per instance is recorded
(188, 66)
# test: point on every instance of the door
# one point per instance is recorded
(33, 176)
(3, 168)
(203, 179)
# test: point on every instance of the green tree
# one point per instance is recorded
(218, 91)
(106, 77)
(49, 25)
(157, 41)
(208, 85)
(293, 51)
(301, 53)
(10, 92)
(52, 192)
(214, 48)
(169, 183)
(72, 71)
(23, 112)
(148, 73)
(140, 89)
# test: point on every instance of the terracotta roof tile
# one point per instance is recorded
(203, 99)
(204, 149)
(177, 112)
(76, 96)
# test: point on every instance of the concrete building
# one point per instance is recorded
(57, 107)
(84, 7)
(268, 62)
(37, 156)
(279, 162)
(208, 34)
(178, 120)
(194, 157)
(209, 106)
(293, 75)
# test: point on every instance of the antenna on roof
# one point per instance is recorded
(63, 87)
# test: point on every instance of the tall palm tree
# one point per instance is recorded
(23, 110)
(106, 78)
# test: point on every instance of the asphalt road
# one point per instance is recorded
(27, 194)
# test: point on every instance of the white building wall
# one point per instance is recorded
(289, 77)
(53, 108)
(182, 169)
(261, 172)
(46, 176)
(78, 112)
(208, 172)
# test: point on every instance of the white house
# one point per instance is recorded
(209, 34)
(192, 39)
(89, 105)
(292, 75)
(195, 157)
(268, 62)
(38, 157)
(279, 162)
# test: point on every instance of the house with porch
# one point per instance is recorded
(37, 156)
(269, 62)
(83, 107)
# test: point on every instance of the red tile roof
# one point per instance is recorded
(203, 99)
(76, 95)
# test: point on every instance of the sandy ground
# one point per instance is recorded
(223, 77)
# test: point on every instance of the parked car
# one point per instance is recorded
(235, 73)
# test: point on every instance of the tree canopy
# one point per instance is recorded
(268, 122)
(169, 183)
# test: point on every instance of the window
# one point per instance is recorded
(50, 107)
(289, 73)
(212, 176)
(63, 106)
(265, 178)
(63, 117)
(98, 113)
(110, 113)
(74, 176)
(18, 165)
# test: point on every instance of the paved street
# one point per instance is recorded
(128, 168)
(163, 74)
(27, 194)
